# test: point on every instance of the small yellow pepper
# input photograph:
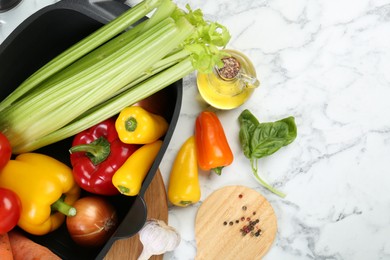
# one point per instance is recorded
(135, 125)
(129, 177)
(46, 189)
(183, 187)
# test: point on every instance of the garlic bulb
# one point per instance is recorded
(157, 238)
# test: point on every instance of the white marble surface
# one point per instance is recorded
(327, 64)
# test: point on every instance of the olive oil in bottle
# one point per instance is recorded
(230, 86)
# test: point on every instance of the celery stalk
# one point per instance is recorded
(101, 80)
(84, 46)
(97, 72)
(96, 55)
(114, 105)
(100, 86)
(164, 10)
(61, 100)
(165, 63)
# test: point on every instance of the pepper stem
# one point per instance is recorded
(123, 189)
(97, 151)
(185, 202)
(61, 206)
(218, 170)
(131, 124)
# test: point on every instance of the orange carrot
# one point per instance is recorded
(24, 248)
(5, 247)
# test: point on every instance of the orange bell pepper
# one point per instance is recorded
(213, 149)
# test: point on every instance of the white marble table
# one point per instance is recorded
(327, 63)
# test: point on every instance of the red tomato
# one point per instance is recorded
(5, 150)
(10, 207)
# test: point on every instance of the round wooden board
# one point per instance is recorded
(157, 207)
(221, 219)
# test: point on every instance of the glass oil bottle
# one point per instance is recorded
(230, 86)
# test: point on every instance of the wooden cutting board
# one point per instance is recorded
(234, 222)
(157, 207)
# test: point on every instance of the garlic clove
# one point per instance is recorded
(157, 238)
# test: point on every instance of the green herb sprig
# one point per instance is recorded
(259, 140)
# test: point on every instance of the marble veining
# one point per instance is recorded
(327, 64)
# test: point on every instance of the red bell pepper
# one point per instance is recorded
(96, 154)
(212, 147)
(5, 150)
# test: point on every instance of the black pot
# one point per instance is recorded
(5, 5)
(33, 43)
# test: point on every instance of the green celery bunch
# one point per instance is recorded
(100, 75)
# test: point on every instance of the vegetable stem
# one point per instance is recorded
(97, 151)
(113, 106)
(262, 182)
(61, 206)
(123, 189)
(84, 46)
(131, 124)
(218, 170)
(163, 11)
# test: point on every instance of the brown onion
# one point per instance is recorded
(94, 223)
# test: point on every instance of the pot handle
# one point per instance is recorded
(132, 223)
(103, 11)
(136, 216)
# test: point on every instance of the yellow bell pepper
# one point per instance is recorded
(135, 125)
(129, 177)
(46, 189)
(183, 186)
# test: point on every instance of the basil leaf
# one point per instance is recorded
(268, 138)
(262, 139)
(248, 123)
